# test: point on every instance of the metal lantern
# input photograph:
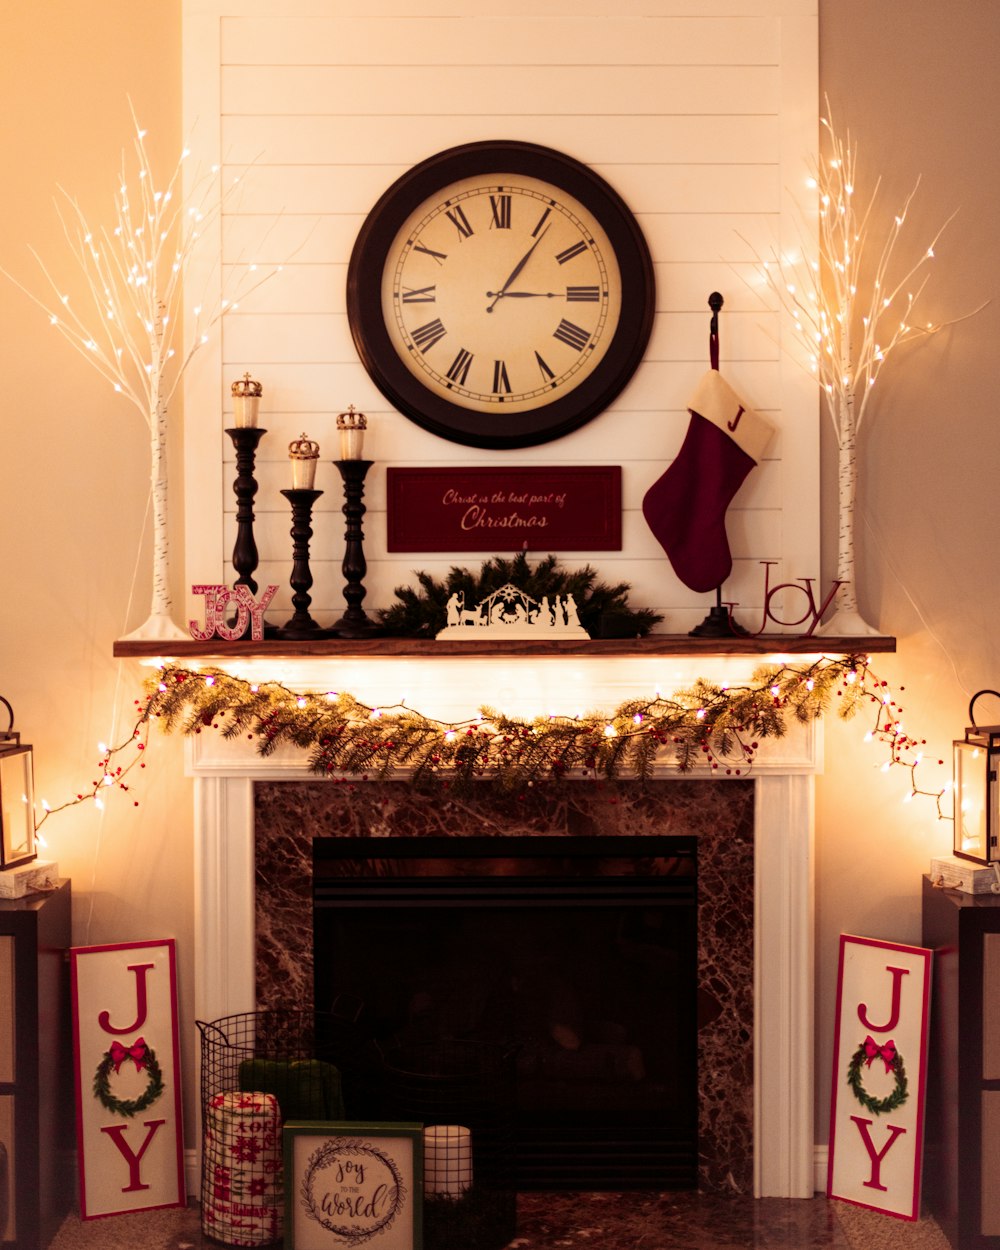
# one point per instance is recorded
(17, 801)
(977, 818)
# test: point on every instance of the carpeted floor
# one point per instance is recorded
(597, 1221)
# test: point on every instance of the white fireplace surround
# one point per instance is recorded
(225, 773)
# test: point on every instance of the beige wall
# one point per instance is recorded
(913, 80)
(916, 83)
(74, 469)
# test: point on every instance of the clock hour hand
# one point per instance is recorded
(516, 270)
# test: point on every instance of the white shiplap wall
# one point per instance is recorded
(702, 115)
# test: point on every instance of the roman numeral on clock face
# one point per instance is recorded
(459, 370)
(426, 336)
(419, 294)
(569, 252)
(546, 372)
(438, 257)
(570, 334)
(500, 212)
(541, 222)
(583, 294)
(501, 383)
(459, 220)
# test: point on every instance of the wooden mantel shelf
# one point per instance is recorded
(410, 648)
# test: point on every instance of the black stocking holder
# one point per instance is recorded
(719, 623)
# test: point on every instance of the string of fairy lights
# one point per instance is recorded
(708, 729)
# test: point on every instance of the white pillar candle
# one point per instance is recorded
(447, 1160)
(246, 402)
(245, 411)
(351, 444)
(303, 474)
(351, 426)
(304, 455)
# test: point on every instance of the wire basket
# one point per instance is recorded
(259, 1069)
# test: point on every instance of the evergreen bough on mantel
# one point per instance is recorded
(603, 610)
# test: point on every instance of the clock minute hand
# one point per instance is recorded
(524, 294)
(516, 270)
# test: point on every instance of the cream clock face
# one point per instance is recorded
(500, 294)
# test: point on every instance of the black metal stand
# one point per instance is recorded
(718, 623)
(300, 627)
(354, 623)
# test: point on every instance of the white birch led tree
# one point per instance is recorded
(131, 319)
(852, 307)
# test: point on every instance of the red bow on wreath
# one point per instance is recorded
(886, 1053)
(137, 1052)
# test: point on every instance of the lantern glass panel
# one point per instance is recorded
(16, 808)
(971, 801)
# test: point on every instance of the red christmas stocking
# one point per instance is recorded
(686, 507)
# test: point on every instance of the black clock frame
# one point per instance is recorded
(563, 413)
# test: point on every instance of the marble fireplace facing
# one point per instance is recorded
(768, 1013)
(717, 819)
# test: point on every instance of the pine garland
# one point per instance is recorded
(711, 725)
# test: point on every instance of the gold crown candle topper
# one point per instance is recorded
(246, 402)
(303, 453)
(352, 426)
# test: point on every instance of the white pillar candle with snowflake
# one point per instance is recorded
(851, 310)
(129, 320)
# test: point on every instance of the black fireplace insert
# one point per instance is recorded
(577, 956)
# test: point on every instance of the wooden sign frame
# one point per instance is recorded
(514, 508)
(130, 1139)
(353, 1184)
(879, 1075)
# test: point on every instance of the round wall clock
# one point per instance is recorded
(500, 294)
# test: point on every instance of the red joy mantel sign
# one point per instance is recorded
(505, 509)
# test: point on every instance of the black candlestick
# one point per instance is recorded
(301, 626)
(245, 559)
(354, 623)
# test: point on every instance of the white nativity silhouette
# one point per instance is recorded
(512, 613)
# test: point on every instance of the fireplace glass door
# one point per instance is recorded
(576, 955)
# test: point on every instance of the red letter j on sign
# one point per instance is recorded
(897, 994)
(141, 1004)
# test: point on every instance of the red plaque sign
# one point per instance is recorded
(515, 509)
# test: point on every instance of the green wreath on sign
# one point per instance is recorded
(143, 1057)
(893, 1061)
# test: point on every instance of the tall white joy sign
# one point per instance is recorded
(128, 1101)
(879, 1075)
